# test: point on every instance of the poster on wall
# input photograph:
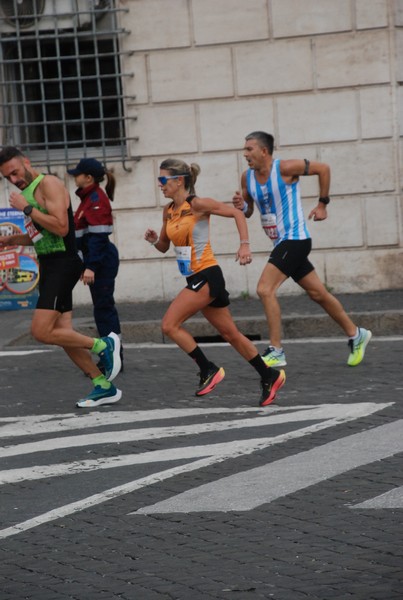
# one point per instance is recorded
(19, 269)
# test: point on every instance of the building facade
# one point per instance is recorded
(194, 77)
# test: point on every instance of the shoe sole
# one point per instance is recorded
(117, 361)
(100, 402)
(218, 377)
(366, 342)
(276, 386)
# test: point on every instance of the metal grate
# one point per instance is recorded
(61, 82)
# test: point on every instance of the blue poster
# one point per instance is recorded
(19, 269)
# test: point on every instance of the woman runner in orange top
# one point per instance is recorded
(186, 225)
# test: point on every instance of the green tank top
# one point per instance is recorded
(49, 242)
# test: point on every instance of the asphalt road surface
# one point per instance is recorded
(169, 496)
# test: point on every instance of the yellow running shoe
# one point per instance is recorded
(357, 347)
(274, 358)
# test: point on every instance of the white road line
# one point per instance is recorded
(324, 411)
(21, 352)
(219, 453)
(160, 345)
(391, 499)
(233, 449)
(223, 450)
(311, 340)
(34, 424)
(288, 475)
(92, 501)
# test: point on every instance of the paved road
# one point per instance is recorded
(167, 496)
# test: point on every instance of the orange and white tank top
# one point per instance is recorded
(190, 235)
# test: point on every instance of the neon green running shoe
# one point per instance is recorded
(274, 358)
(357, 347)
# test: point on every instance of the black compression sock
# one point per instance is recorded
(200, 358)
(258, 364)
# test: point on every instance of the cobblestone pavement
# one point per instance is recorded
(167, 496)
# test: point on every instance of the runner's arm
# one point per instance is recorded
(295, 168)
(55, 201)
(242, 200)
(209, 206)
(161, 242)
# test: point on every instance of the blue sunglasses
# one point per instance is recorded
(164, 179)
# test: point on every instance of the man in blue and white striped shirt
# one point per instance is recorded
(273, 185)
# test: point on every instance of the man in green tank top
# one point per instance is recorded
(45, 202)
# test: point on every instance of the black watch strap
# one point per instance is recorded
(27, 210)
(324, 199)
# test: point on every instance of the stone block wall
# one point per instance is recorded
(323, 76)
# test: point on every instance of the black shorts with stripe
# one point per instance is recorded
(291, 258)
(215, 279)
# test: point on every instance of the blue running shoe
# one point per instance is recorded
(110, 356)
(100, 396)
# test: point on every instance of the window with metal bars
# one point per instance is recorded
(61, 82)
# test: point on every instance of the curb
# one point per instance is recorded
(381, 323)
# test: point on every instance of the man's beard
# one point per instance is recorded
(24, 183)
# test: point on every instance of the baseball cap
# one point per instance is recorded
(88, 166)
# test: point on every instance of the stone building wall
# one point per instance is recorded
(323, 76)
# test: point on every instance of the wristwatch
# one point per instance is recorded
(324, 199)
(27, 210)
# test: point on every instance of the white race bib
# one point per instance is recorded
(32, 231)
(183, 258)
(269, 224)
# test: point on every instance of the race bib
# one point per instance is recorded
(269, 224)
(183, 258)
(32, 231)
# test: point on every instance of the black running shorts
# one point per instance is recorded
(215, 279)
(58, 274)
(291, 258)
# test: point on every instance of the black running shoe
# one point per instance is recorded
(209, 380)
(270, 388)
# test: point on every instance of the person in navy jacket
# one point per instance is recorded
(93, 225)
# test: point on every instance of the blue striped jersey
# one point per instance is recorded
(282, 200)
